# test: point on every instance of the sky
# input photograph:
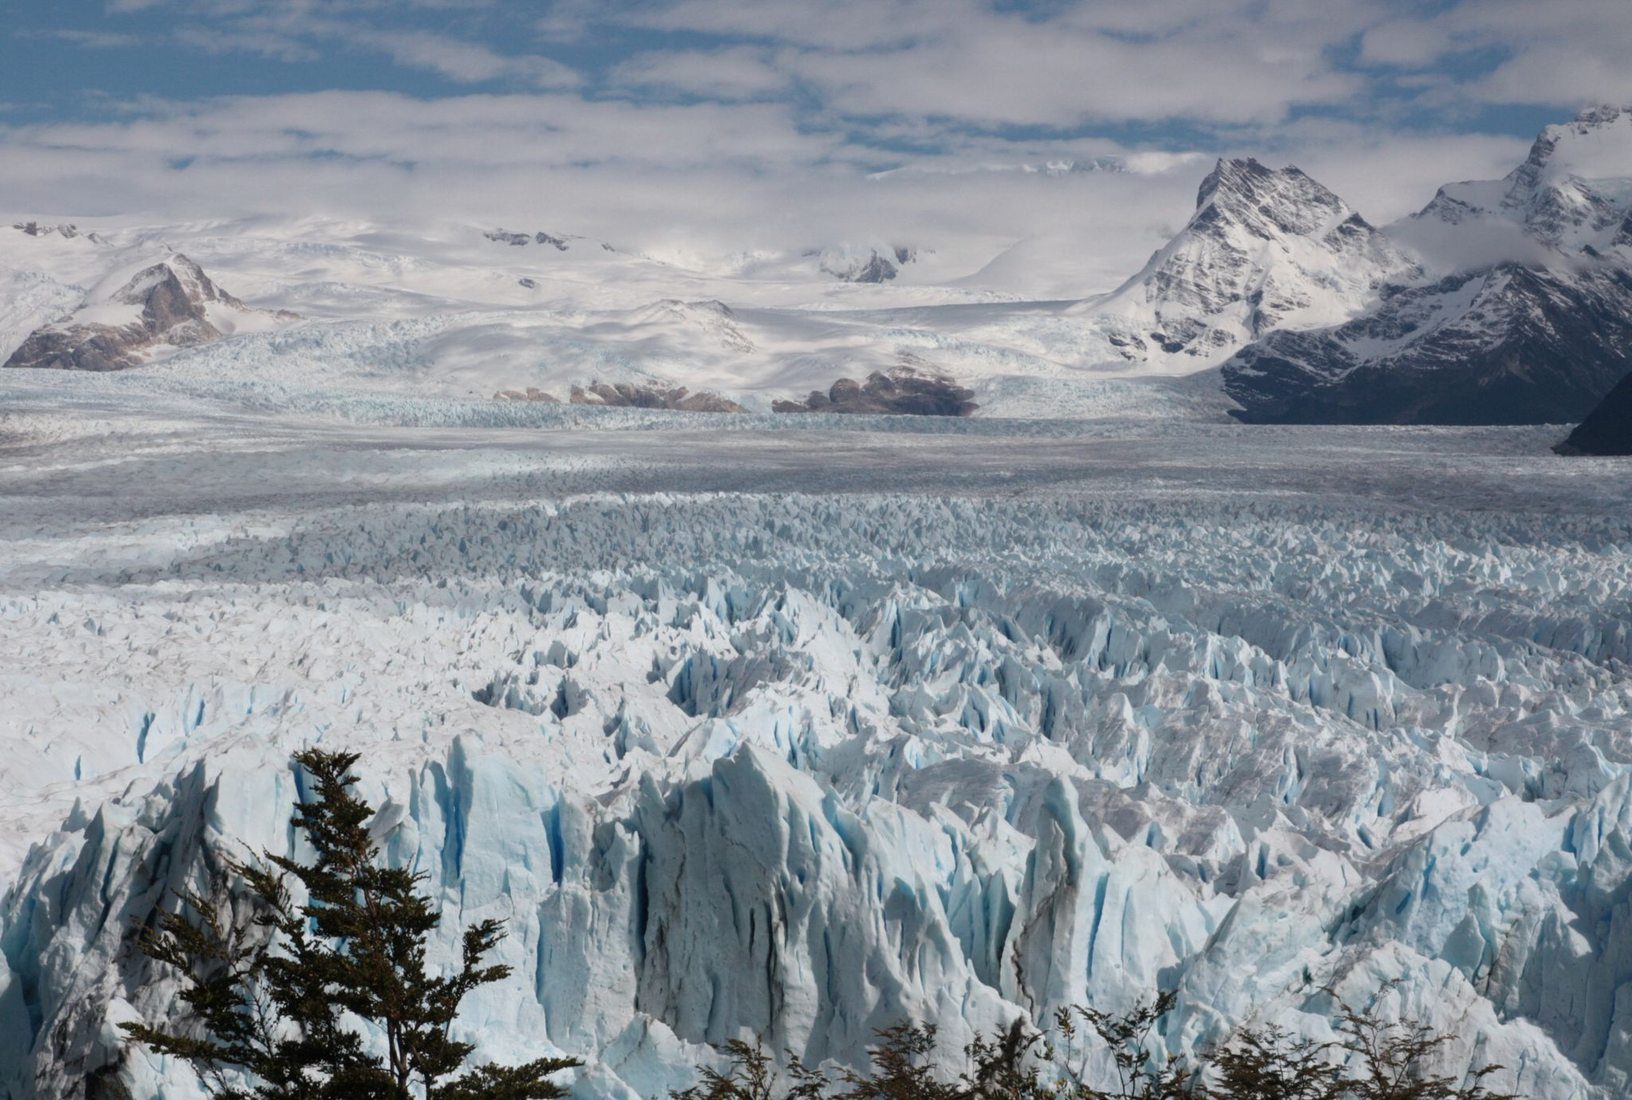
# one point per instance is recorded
(724, 124)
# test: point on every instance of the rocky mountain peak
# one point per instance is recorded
(1267, 200)
(1607, 429)
(173, 292)
(1266, 247)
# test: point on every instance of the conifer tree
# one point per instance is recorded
(274, 988)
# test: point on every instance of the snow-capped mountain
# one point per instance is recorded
(1266, 248)
(1507, 300)
(168, 305)
(1532, 323)
(1573, 192)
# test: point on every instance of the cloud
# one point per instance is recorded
(1563, 53)
(716, 124)
(736, 73)
(307, 33)
(963, 60)
(465, 62)
(669, 179)
(262, 42)
(90, 40)
(711, 178)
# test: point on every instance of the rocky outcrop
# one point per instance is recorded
(901, 391)
(531, 393)
(521, 240)
(1607, 430)
(631, 396)
(169, 305)
(68, 231)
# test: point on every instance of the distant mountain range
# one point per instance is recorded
(1502, 301)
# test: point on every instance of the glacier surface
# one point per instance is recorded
(756, 728)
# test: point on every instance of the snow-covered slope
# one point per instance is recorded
(791, 726)
(467, 310)
(1530, 320)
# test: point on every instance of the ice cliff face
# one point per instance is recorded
(1533, 324)
(796, 766)
(1266, 248)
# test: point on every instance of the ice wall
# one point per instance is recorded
(799, 766)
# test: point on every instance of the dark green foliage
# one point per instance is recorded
(1371, 1061)
(901, 1069)
(1138, 1075)
(749, 1075)
(268, 983)
(1394, 1059)
(1268, 1064)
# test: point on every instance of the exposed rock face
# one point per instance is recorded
(1607, 430)
(901, 390)
(531, 393)
(521, 240)
(1537, 334)
(170, 303)
(628, 395)
(67, 231)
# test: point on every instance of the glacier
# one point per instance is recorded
(793, 727)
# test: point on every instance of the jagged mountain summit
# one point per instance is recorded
(171, 304)
(1531, 323)
(1266, 248)
(869, 265)
(1571, 192)
(1607, 430)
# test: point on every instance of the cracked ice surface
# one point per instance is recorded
(787, 731)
